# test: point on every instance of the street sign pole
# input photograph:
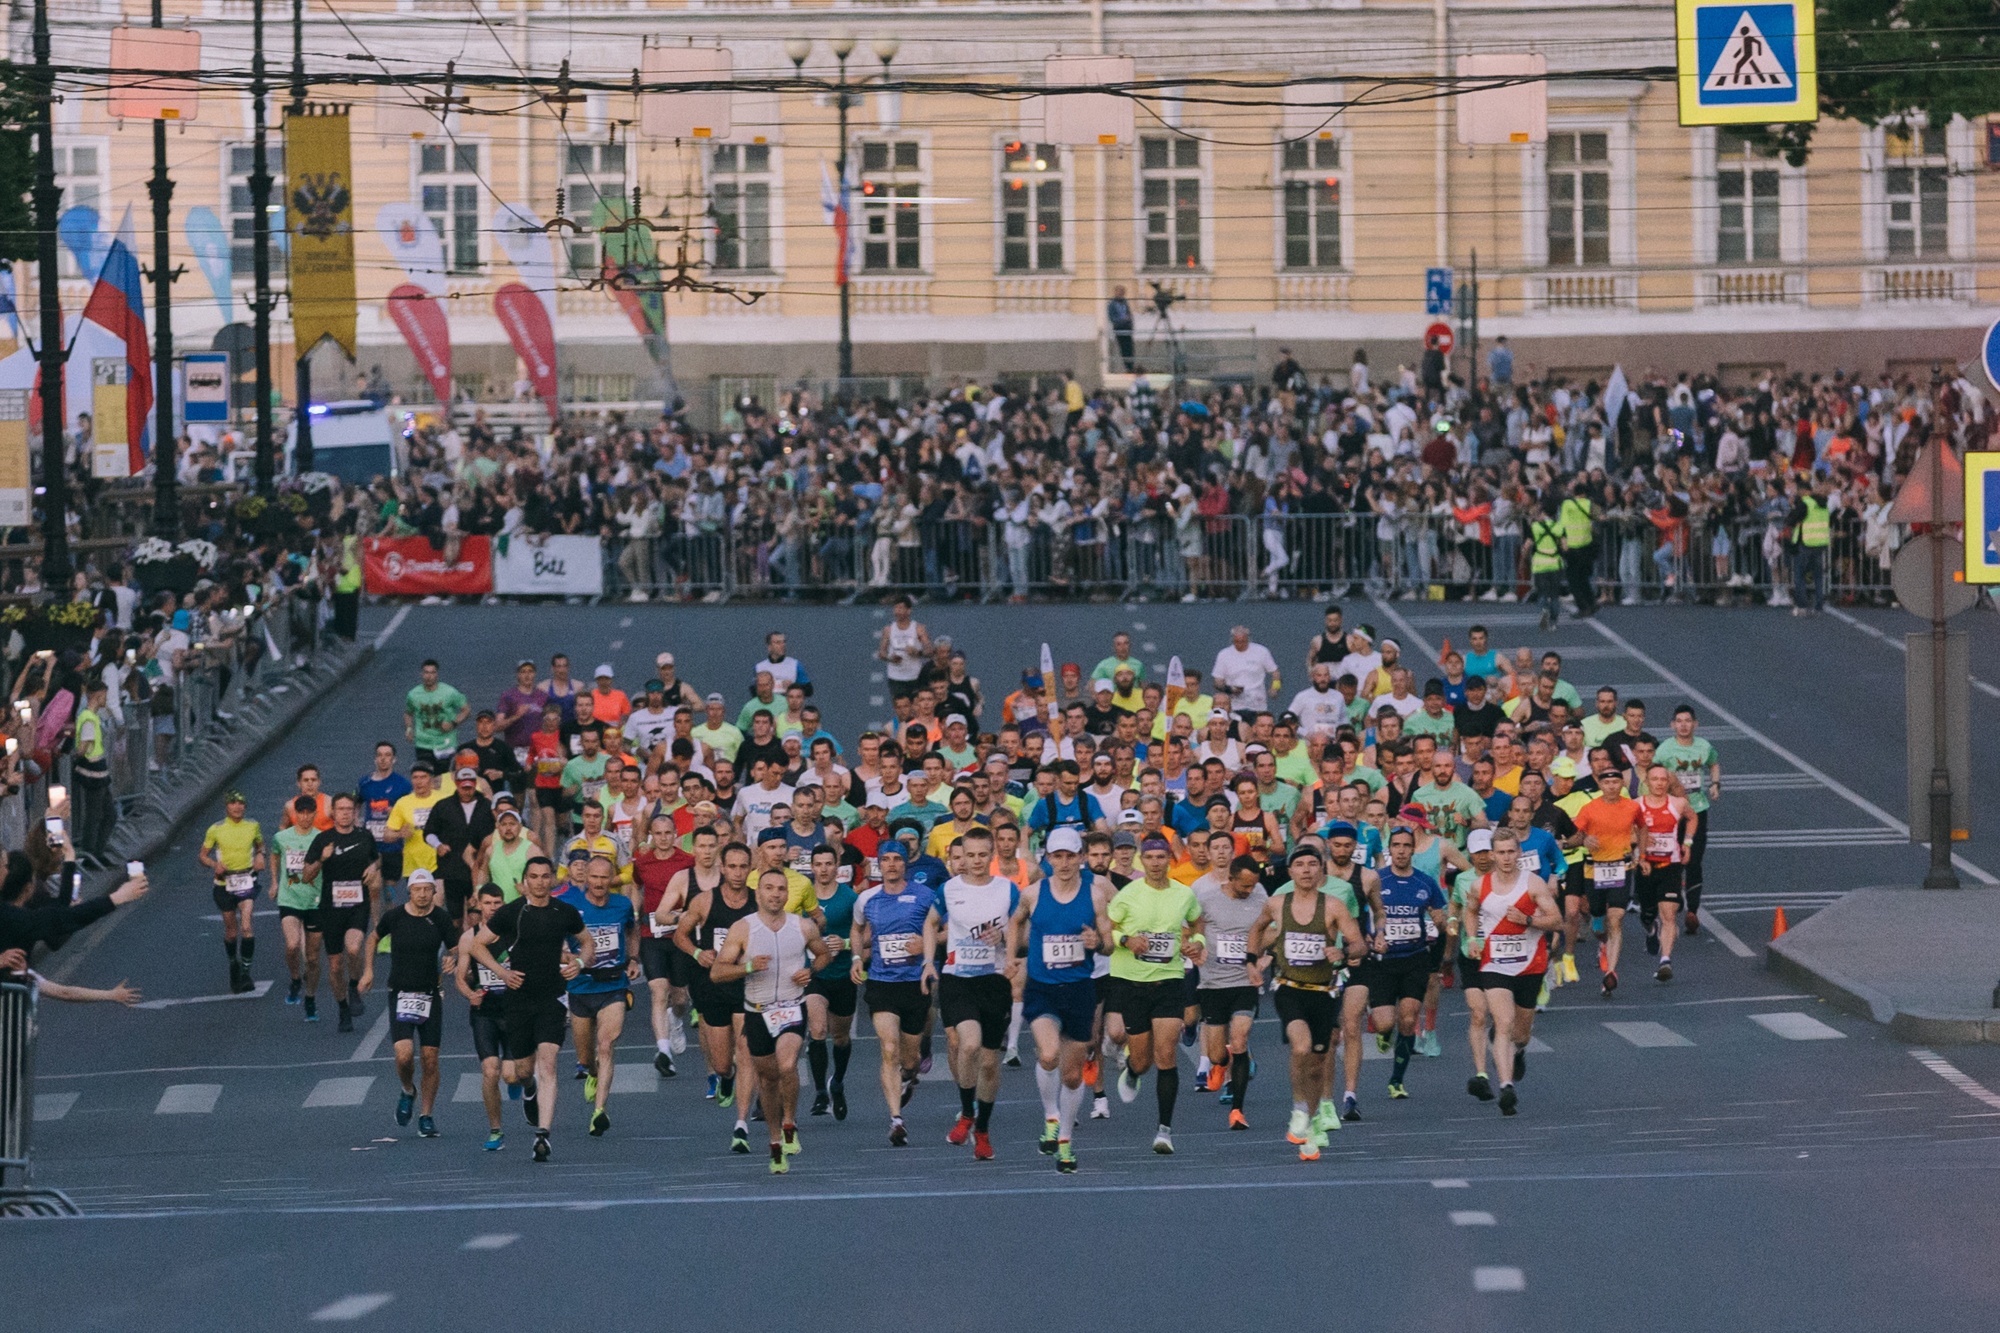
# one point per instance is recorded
(1941, 875)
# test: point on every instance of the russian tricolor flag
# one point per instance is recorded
(117, 306)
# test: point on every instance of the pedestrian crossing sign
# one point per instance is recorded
(1982, 516)
(1746, 64)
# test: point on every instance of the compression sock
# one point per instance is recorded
(1014, 1030)
(1168, 1091)
(247, 946)
(982, 1116)
(1049, 1082)
(841, 1053)
(1068, 1106)
(1406, 1046)
(816, 1057)
(1239, 1079)
(965, 1102)
(229, 947)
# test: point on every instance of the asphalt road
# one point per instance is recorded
(1712, 1154)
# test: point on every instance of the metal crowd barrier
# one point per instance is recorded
(1226, 556)
(18, 1196)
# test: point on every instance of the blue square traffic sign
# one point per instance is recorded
(1437, 291)
(1747, 54)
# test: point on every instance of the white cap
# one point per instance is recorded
(1480, 841)
(1130, 818)
(603, 670)
(958, 719)
(422, 877)
(1064, 840)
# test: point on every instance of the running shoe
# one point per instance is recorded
(1128, 1086)
(677, 1041)
(1309, 1150)
(1187, 1037)
(1163, 1142)
(788, 1139)
(426, 1127)
(1509, 1100)
(924, 1065)
(582, 1071)
(725, 1099)
(1480, 1086)
(1603, 959)
(839, 1093)
(292, 995)
(1666, 972)
(1428, 1044)
(780, 1164)
(598, 1124)
(821, 1104)
(713, 1082)
(1300, 1128)
(982, 1146)
(1090, 1070)
(960, 1131)
(1237, 1120)
(1066, 1158)
(1691, 923)
(909, 1089)
(1398, 1093)
(405, 1105)
(590, 1087)
(1100, 1107)
(513, 1091)
(312, 1009)
(532, 1109)
(1325, 1118)
(1542, 1000)
(1047, 1143)
(1653, 942)
(541, 1147)
(1610, 983)
(1569, 968)
(495, 1140)
(739, 1140)
(1383, 1042)
(1218, 1077)
(664, 1064)
(898, 1135)
(1013, 1060)
(346, 1023)
(1350, 1109)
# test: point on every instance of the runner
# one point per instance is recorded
(1390, 984)
(1058, 923)
(298, 903)
(719, 1004)
(410, 815)
(657, 866)
(1669, 824)
(233, 851)
(1507, 919)
(1152, 924)
(532, 932)
(1610, 825)
(486, 993)
(1232, 899)
(897, 929)
(977, 994)
(432, 715)
(344, 862)
(831, 994)
(457, 831)
(376, 795)
(507, 849)
(772, 954)
(600, 994)
(1686, 757)
(418, 933)
(1304, 931)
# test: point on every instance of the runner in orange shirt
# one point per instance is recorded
(1610, 826)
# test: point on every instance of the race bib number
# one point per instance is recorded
(1660, 845)
(609, 942)
(412, 1007)
(1231, 948)
(1158, 948)
(656, 930)
(489, 979)
(420, 818)
(378, 829)
(1531, 862)
(241, 883)
(898, 948)
(347, 893)
(1509, 948)
(549, 766)
(1401, 930)
(1607, 874)
(1062, 950)
(592, 788)
(778, 1017)
(1304, 949)
(521, 756)
(973, 953)
(295, 862)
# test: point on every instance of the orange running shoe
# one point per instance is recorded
(1237, 1120)
(1217, 1076)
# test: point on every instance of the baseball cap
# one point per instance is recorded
(1102, 687)
(467, 775)
(422, 877)
(1339, 828)
(1564, 767)
(425, 767)
(1130, 819)
(770, 835)
(1433, 686)
(655, 687)
(956, 720)
(524, 662)
(233, 797)
(715, 697)
(1415, 814)
(604, 669)
(1124, 839)
(664, 659)
(1480, 841)
(1065, 840)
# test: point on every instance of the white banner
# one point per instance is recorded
(549, 566)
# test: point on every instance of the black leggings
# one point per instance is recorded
(1691, 883)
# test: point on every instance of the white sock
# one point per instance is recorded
(1202, 1067)
(1050, 1083)
(1014, 1030)
(1069, 1104)
(663, 1044)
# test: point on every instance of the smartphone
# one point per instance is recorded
(25, 709)
(133, 868)
(131, 656)
(54, 826)
(57, 794)
(12, 745)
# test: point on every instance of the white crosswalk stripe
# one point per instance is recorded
(1740, 782)
(1648, 1035)
(53, 1105)
(349, 1308)
(189, 1099)
(468, 1089)
(341, 1091)
(1797, 1027)
(1806, 837)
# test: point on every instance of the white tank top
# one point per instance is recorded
(786, 948)
(903, 641)
(970, 909)
(1509, 950)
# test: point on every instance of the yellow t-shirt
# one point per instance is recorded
(407, 818)
(235, 841)
(800, 897)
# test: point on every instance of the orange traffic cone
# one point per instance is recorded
(1445, 651)
(1778, 926)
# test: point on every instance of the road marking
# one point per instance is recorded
(1536, 1046)
(1496, 1278)
(377, 1031)
(874, 701)
(629, 1084)
(1797, 1027)
(470, 1088)
(188, 1099)
(1771, 782)
(349, 1308)
(53, 1105)
(1469, 1217)
(1139, 625)
(1852, 797)
(1957, 1077)
(395, 623)
(262, 988)
(497, 1240)
(1451, 1184)
(1807, 837)
(876, 678)
(1648, 1035)
(340, 1091)
(1728, 939)
(625, 622)
(1902, 647)
(1149, 647)
(616, 644)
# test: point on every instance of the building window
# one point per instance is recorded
(1312, 203)
(1915, 185)
(891, 230)
(82, 174)
(448, 177)
(1579, 183)
(1031, 208)
(1748, 226)
(739, 199)
(1170, 197)
(592, 172)
(242, 218)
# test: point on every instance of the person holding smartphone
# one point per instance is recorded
(233, 850)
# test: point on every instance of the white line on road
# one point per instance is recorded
(1728, 939)
(1498, 1278)
(470, 1088)
(1957, 1077)
(631, 1084)
(493, 1240)
(340, 1091)
(255, 994)
(1797, 1027)
(395, 623)
(377, 1031)
(189, 1099)
(349, 1308)
(1647, 1035)
(1451, 1184)
(1840, 789)
(1901, 647)
(53, 1105)
(1471, 1217)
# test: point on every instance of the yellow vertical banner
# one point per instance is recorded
(320, 216)
(110, 386)
(15, 511)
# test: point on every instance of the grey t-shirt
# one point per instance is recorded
(1229, 921)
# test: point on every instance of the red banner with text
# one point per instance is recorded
(428, 332)
(526, 320)
(412, 567)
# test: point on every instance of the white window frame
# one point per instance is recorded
(574, 207)
(1792, 202)
(920, 178)
(451, 179)
(1624, 193)
(240, 274)
(1205, 230)
(773, 177)
(1344, 172)
(1062, 174)
(1961, 180)
(99, 180)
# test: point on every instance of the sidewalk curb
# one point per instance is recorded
(1790, 957)
(263, 721)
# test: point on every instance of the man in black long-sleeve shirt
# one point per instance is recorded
(25, 923)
